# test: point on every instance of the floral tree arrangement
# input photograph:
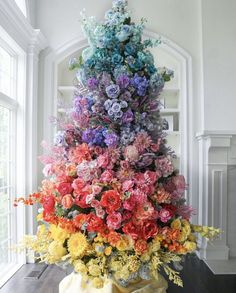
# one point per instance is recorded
(112, 203)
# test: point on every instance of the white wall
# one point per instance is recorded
(219, 39)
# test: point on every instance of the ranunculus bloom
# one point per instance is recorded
(78, 184)
(114, 221)
(149, 229)
(131, 230)
(48, 204)
(64, 188)
(165, 215)
(140, 246)
(67, 201)
(111, 201)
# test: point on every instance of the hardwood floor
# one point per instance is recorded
(196, 275)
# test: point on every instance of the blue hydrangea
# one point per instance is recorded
(141, 84)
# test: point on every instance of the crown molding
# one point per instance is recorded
(18, 26)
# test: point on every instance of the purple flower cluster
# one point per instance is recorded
(123, 81)
(99, 136)
(140, 84)
(115, 108)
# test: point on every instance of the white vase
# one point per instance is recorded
(72, 284)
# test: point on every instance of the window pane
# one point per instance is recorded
(6, 72)
(22, 5)
(5, 187)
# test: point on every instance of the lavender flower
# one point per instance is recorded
(113, 91)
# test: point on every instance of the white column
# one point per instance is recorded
(37, 43)
(213, 196)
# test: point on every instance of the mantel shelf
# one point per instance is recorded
(169, 110)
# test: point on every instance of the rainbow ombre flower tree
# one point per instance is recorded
(113, 205)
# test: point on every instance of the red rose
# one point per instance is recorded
(48, 204)
(111, 201)
(140, 246)
(131, 230)
(67, 201)
(149, 229)
(64, 188)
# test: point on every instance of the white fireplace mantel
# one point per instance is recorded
(216, 151)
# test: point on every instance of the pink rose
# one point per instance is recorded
(100, 212)
(64, 188)
(114, 220)
(95, 203)
(131, 153)
(127, 185)
(107, 176)
(165, 215)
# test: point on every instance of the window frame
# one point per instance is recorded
(17, 106)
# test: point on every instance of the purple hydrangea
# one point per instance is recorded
(140, 83)
(93, 136)
(113, 91)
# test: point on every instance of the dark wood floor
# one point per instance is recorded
(196, 275)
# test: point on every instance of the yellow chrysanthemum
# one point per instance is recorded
(56, 251)
(77, 245)
(176, 224)
(58, 234)
(190, 246)
(98, 283)
(80, 267)
(94, 270)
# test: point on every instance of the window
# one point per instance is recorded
(10, 83)
(22, 5)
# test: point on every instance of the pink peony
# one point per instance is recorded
(114, 220)
(165, 215)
